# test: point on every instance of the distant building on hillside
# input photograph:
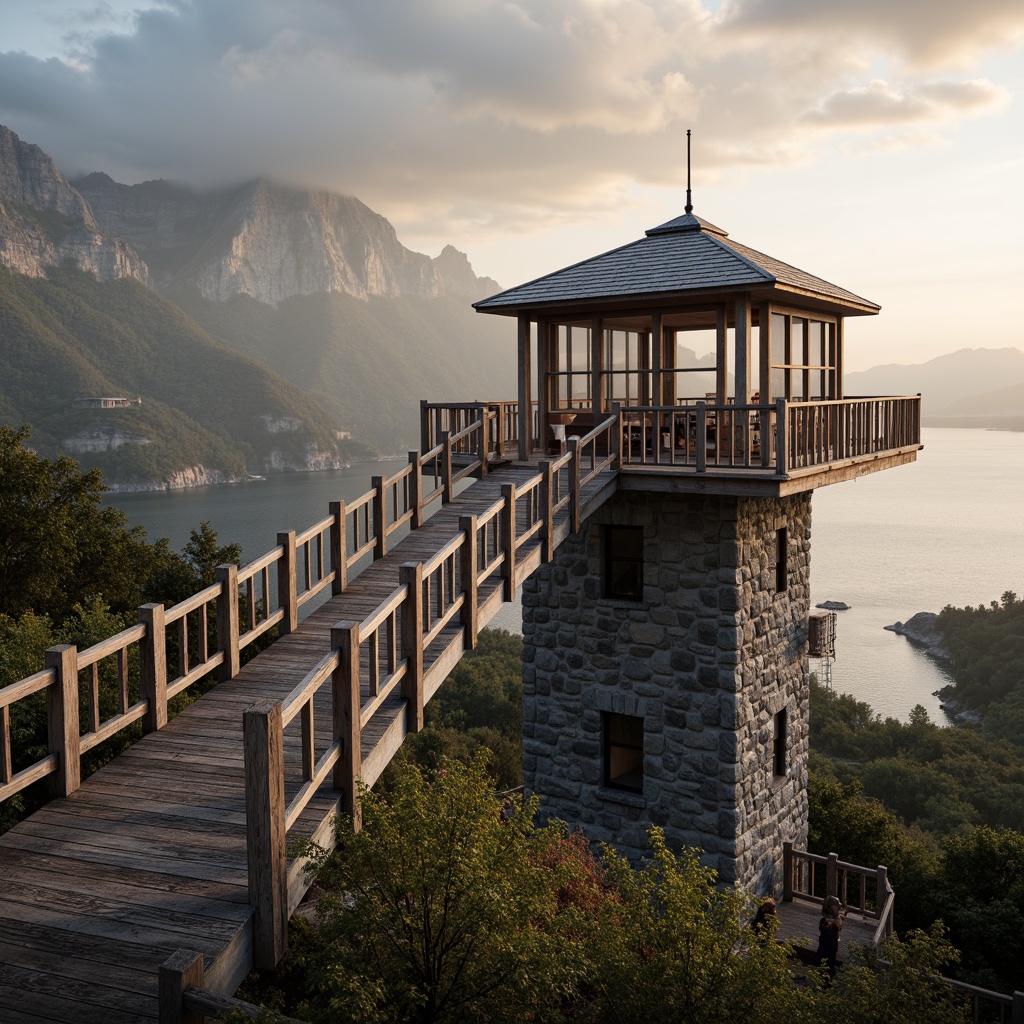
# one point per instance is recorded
(106, 403)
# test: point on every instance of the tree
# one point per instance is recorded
(443, 906)
(58, 546)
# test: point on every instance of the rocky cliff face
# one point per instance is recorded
(272, 242)
(45, 221)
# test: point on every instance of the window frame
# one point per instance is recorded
(608, 745)
(611, 558)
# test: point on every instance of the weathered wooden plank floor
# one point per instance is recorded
(98, 889)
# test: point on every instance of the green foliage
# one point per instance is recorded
(986, 648)
(442, 907)
(59, 547)
(478, 707)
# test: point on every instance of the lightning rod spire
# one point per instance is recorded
(689, 197)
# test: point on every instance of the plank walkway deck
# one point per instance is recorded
(99, 888)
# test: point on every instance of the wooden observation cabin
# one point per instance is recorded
(665, 673)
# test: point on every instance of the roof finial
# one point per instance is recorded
(689, 198)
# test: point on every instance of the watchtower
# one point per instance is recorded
(665, 663)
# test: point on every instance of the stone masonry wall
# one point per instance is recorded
(707, 659)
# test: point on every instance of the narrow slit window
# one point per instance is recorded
(623, 752)
(781, 560)
(779, 745)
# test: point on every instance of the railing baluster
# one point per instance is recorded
(308, 740)
(6, 770)
(346, 726)
(122, 679)
(227, 619)
(411, 575)
(287, 585)
(62, 727)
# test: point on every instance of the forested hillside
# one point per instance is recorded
(69, 335)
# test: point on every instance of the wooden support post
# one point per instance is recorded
(339, 548)
(480, 411)
(227, 620)
(544, 334)
(702, 437)
(574, 484)
(781, 457)
(415, 491)
(347, 705)
(6, 763)
(266, 849)
(469, 567)
(180, 971)
(742, 335)
(508, 540)
(426, 440)
(840, 358)
(380, 517)
(787, 872)
(62, 728)
(832, 875)
(287, 584)
(547, 490)
(615, 441)
(153, 667)
(721, 355)
(525, 389)
(596, 368)
(411, 574)
(446, 468)
(1017, 1012)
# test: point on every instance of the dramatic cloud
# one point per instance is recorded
(491, 115)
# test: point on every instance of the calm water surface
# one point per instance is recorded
(947, 530)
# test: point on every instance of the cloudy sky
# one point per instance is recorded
(877, 143)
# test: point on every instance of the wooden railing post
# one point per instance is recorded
(287, 584)
(469, 567)
(574, 484)
(415, 491)
(263, 740)
(339, 548)
(227, 620)
(180, 971)
(781, 427)
(702, 437)
(411, 575)
(508, 540)
(1017, 1013)
(446, 468)
(787, 872)
(153, 667)
(481, 411)
(615, 441)
(347, 726)
(426, 441)
(547, 502)
(62, 728)
(832, 875)
(380, 517)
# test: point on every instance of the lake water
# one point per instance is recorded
(947, 530)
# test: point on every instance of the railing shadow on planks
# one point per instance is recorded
(407, 645)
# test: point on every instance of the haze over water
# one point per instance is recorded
(947, 530)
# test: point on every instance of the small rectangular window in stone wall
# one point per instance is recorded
(624, 562)
(781, 560)
(779, 744)
(623, 751)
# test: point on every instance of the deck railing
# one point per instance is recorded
(400, 653)
(813, 877)
(502, 424)
(130, 677)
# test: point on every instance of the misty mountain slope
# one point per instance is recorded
(999, 402)
(944, 380)
(371, 362)
(202, 403)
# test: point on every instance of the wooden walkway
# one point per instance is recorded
(98, 889)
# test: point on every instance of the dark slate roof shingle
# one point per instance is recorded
(684, 254)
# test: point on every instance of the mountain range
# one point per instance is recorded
(301, 317)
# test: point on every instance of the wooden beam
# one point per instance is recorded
(544, 331)
(743, 332)
(287, 584)
(840, 358)
(721, 355)
(153, 667)
(227, 620)
(182, 970)
(764, 337)
(597, 368)
(525, 389)
(62, 720)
